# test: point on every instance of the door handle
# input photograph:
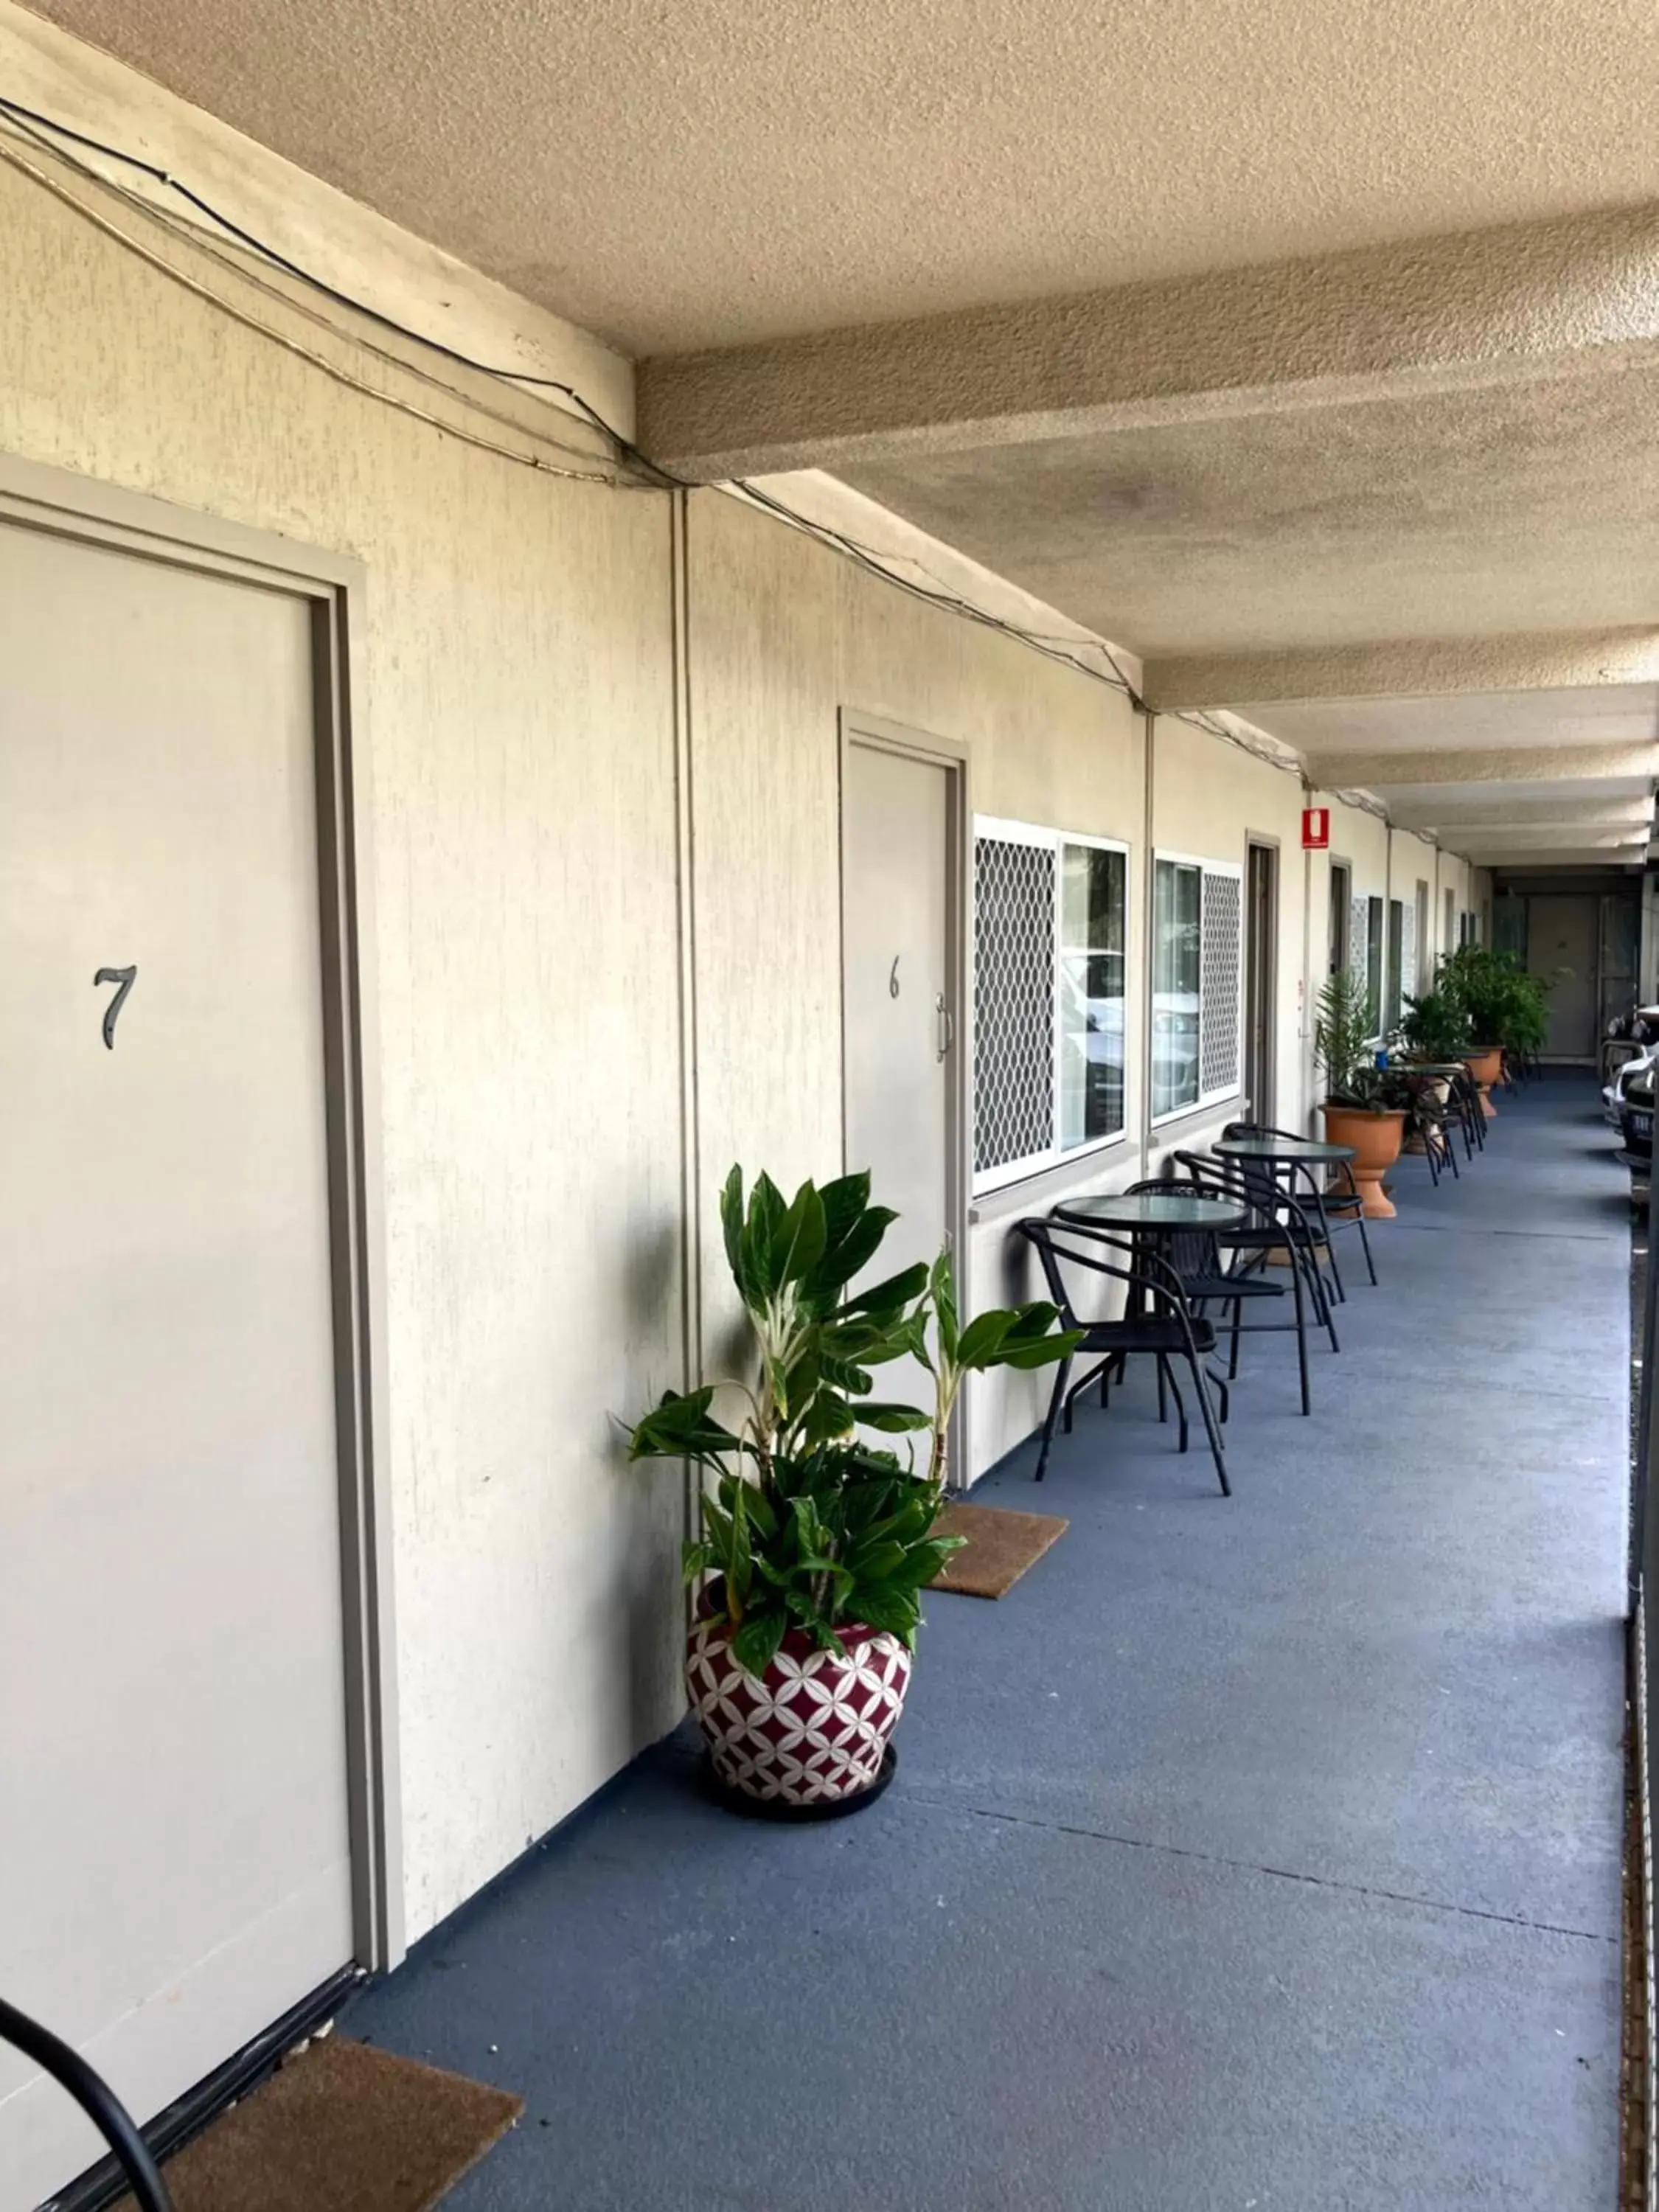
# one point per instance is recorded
(947, 1027)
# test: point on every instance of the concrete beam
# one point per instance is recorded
(1566, 856)
(1438, 314)
(1519, 838)
(1502, 812)
(1497, 764)
(1407, 668)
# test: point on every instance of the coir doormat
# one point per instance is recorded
(999, 1547)
(341, 2128)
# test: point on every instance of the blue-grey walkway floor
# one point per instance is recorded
(1261, 1854)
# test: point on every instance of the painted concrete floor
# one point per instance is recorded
(1259, 1855)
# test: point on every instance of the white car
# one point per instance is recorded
(1643, 1061)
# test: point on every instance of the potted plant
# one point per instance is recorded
(1363, 1106)
(1435, 1032)
(815, 1543)
(1436, 1029)
(1504, 1007)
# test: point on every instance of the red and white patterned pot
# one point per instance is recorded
(814, 1728)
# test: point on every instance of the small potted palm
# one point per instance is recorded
(1363, 1106)
(816, 1539)
(1504, 1007)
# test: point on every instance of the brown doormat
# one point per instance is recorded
(1001, 1547)
(341, 2128)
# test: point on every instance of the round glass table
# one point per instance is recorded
(1286, 1151)
(1147, 1212)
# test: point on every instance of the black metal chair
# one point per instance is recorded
(1196, 1256)
(1465, 1095)
(95, 2098)
(1159, 1323)
(1338, 1206)
(1278, 1223)
(1433, 1120)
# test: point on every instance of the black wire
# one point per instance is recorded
(873, 562)
(866, 558)
(305, 276)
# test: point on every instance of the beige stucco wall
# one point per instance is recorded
(521, 724)
(784, 635)
(1209, 799)
(1412, 861)
(516, 710)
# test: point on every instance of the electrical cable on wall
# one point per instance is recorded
(43, 132)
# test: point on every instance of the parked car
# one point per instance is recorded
(1642, 1028)
(1636, 1132)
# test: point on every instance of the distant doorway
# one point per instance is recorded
(1261, 965)
(1561, 950)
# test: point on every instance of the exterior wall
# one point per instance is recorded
(784, 635)
(1455, 873)
(1647, 972)
(1480, 895)
(1412, 861)
(516, 705)
(1209, 799)
(605, 813)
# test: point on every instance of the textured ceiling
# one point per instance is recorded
(1517, 509)
(1552, 733)
(677, 176)
(1626, 714)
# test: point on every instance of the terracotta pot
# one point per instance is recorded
(813, 1729)
(1376, 1138)
(1486, 1066)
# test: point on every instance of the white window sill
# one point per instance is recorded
(1111, 1164)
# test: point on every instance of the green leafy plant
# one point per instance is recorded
(1436, 1027)
(1503, 1004)
(1344, 1044)
(807, 1524)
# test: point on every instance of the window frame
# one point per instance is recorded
(1205, 1100)
(1392, 1008)
(1344, 926)
(988, 1179)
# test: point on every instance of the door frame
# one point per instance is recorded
(1259, 842)
(56, 502)
(876, 733)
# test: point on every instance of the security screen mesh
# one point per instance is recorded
(1359, 936)
(1406, 985)
(1014, 1001)
(1218, 990)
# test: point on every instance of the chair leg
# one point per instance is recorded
(1167, 1373)
(1330, 1253)
(1365, 1245)
(1061, 1380)
(1163, 1398)
(1300, 1337)
(1322, 1297)
(1210, 1427)
(1232, 1357)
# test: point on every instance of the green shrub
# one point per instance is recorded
(807, 1524)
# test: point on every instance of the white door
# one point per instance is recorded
(899, 1010)
(175, 1858)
